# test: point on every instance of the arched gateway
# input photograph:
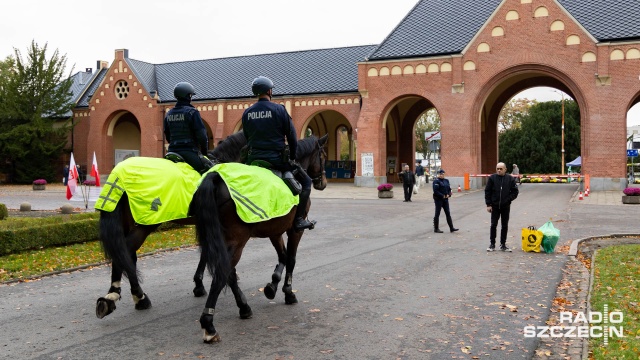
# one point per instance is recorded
(466, 59)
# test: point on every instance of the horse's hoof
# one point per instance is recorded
(245, 312)
(199, 291)
(290, 299)
(210, 339)
(144, 303)
(270, 291)
(104, 307)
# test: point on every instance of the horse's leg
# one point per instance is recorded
(206, 319)
(271, 288)
(134, 239)
(107, 304)
(241, 300)
(199, 290)
(293, 239)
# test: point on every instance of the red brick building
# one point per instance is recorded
(465, 59)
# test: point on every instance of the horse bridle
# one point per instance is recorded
(323, 172)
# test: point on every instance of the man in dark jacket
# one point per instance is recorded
(408, 181)
(185, 130)
(500, 191)
(441, 195)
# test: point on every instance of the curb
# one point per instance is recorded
(573, 249)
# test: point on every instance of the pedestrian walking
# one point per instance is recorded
(441, 195)
(419, 175)
(500, 191)
(515, 172)
(408, 181)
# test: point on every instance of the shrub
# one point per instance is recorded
(40, 182)
(4, 213)
(631, 191)
(385, 187)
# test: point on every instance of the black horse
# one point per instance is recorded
(121, 237)
(222, 245)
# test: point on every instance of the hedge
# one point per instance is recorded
(37, 233)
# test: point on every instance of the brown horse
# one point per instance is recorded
(222, 245)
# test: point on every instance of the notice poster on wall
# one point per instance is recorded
(367, 164)
(121, 155)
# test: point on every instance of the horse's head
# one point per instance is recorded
(317, 160)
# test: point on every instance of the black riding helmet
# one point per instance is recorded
(261, 85)
(183, 90)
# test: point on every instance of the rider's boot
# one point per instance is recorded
(300, 223)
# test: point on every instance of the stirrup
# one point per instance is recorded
(302, 223)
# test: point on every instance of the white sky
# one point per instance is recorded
(163, 31)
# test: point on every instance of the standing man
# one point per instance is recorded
(500, 191)
(419, 174)
(185, 131)
(266, 125)
(516, 173)
(408, 181)
(441, 195)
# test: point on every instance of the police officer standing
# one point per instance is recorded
(441, 195)
(266, 125)
(185, 131)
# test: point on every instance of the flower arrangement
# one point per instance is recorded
(89, 182)
(385, 187)
(40, 182)
(631, 191)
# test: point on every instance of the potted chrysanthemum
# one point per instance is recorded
(385, 191)
(631, 195)
(39, 184)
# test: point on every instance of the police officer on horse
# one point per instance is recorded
(266, 125)
(185, 131)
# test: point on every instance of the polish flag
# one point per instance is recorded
(94, 170)
(72, 182)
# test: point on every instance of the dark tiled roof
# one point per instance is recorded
(79, 82)
(99, 76)
(607, 20)
(302, 72)
(435, 27)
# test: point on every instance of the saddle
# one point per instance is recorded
(177, 158)
(287, 176)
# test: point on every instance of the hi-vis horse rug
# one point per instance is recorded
(160, 190)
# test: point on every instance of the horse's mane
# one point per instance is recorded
(306, 146)
(229, 149)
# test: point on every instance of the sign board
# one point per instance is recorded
(633, 152)
(367, 164)
(432, 135)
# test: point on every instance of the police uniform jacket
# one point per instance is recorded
(184, 129)
(500, 190)
(266, 125)
(441, 188)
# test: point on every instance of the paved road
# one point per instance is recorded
(373, 281)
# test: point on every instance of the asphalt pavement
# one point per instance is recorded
(373, 280)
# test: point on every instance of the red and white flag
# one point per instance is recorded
(94, 170)
(72, 181)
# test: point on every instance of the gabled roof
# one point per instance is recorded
(294, 73)
(93, 85)
(442, 27)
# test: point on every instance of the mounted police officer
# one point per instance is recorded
(185, 131)
(266, 125)
(441, 195)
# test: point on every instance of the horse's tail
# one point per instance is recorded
(204, 208)
(113, 240)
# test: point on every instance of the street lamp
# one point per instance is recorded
(562, 157)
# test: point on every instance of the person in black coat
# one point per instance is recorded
(408, 179)
(441, 195)
(500, 191)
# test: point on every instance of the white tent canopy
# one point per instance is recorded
(576, 162)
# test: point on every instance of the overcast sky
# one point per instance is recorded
(163, 31)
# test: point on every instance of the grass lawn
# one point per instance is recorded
(617, 284)
(33, 263)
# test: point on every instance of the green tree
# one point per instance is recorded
(427, 122)
(35, 108)
(536, 145)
